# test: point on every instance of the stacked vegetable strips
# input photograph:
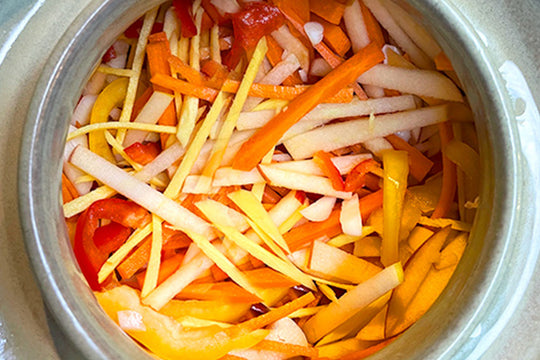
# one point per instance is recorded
(262, 179)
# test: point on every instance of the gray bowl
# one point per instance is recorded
(478, 301)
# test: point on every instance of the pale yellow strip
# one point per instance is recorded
(292, 220)
(327, 291)
(119, 255)
(344, 239)
(78, 205)
(138, 61)
(258, 189)
(332, 283)
(120, 150)
(121, 125)
(215, 49)
(152, 272)
(271, 104)
(114, 71)
(309, 311)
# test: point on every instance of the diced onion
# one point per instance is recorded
(320, 210)
(350, 217)
(314, 31)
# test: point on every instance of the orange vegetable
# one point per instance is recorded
(308, 232)
(335, 37)
(143, 153)
(266, 137)
(187, 72)
(265, 277)
(372, 26)
(356, 178)
(419, 164)
(223, 291)
(324, 162)
(166, 269)
(299, 7)
(158, 51)
(274, 54)
(449, 180)
(184, 87)
(287, 349)
(330, 10)
(68, 190)
(362, 354)
(442, 63)
(140, 102)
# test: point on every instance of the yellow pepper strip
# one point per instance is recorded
(396, 170)
(112, 96)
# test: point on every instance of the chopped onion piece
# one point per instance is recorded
(320, 210)
(350, 217)
(314, 31)
(81, 114)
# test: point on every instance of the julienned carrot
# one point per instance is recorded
(290, 350)
(419, 164)
(324, 162)
(166, 269)
(362, 354)
(372, 26)
(266, 137)
(69, 192)
(274, 55)
(158, 51)
(449, 180)
(136, 260)
(335, 37)
(330, 10)
(218, 274)
(257, 90)
(265, 277)
(305, 234)
(187, 72)
(442, 63)
(225, 290)
(300, 7)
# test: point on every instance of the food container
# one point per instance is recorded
(489, 282)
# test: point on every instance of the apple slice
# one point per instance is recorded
(352, 302)
(343, 163)
(297, 181)
(334, 264)
(320, 210)
(350, 217)
(335, 136)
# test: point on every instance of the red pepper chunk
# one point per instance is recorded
(143, 153)
(357, 176)
(324, 161)
(108, 238)
(89, 255)
(256, 20)
(183, 12)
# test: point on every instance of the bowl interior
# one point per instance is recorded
(469, 306)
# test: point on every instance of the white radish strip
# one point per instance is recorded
(281, 71)
(115, 114)
(356, 27)
(73, 173)
(320, 67)
(344, 164)
(119, 62)
(320, 210)
(254, 119)
(335, 136)
(291, 44)
(226, 215)
(374, 92)
(281, 157)
(226, 6)
(175, 283)
(165, 159)
(350, 217)
(298, 181)
(139, 192)
(170, 23)
(190, 186)
(314, 32)
(227, 176)
(412, 81)
(95, 84)
(414, 30)
(81, 114)
(377, 145)
(418, 57)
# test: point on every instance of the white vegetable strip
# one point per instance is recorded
(81, 114)
(298, 181)
(418, 57)
(292, 45)
(72, 172)
(170, 22)
(150, 114)
(152, 272)
(350, 217)
(165, 159)
(412, 81)
(319, 67)
(95, 84)
(226, 6)
(343, 163)
(320, 210)
(378, 145)
(314, 32)
(80, 204)
(121, 126)
(139, 192)
(227, 176)
(335, 136)
(356, 27)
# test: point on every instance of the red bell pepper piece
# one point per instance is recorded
(256, 20)
(89, 256)
(134, 30)
(109, 55)
(183, 12)
(324, 161)
(143, 153)
(214, 14)
(108, 238)
(357, 176)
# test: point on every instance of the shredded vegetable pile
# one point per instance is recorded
(270, 180)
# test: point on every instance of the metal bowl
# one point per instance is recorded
(488, 283)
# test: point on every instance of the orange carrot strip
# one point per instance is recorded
(442, 63)
(308, 232)
(274, 54)
(253, 150)
(158, 51)
(419, 164)
(167, 268)
(181, 86)
(330, 10)
(335, 37)
(69, 192)
(288, 349)
(362, 354)
(449, 180)
(324, 162)
(231, 357)
(218, 274)
(226, 290)
(136, 260)
(356, 178)
(372, 26)
(187, 72)
(268, 278)
(300, 7)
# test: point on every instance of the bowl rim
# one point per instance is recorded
(81, 318)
